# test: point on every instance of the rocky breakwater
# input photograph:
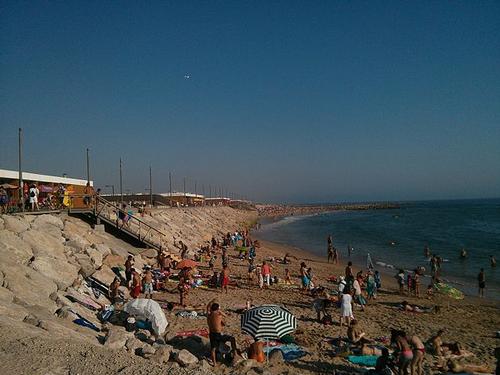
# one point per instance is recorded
(45, 263)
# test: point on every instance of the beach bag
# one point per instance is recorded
(32, 193)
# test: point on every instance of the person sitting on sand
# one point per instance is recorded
(405, 354)
(439, 348)
(256, 352)
(215, 326)
(384, 363)
(355, 334)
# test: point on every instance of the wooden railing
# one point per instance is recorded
(120, 217)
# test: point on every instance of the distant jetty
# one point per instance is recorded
(273, 210)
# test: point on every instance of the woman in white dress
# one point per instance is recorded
(346, 308)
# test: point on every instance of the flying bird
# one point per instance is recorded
(187, 76)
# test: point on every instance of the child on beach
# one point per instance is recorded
(251, 269)
(260, 277)
(225, 278)
(266, 273)
(400, 277)
(288, 280)
(147, 283)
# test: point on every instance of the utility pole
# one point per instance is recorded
(121, 182)
(88, 168)
(21, 186)
(210, 187)
(184, 181)
(170, 183)
(150, 187)
(195, 187)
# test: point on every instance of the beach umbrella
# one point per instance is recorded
(186, 263)
(268, 322)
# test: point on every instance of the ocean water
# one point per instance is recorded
(445, 226)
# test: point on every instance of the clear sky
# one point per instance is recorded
(306, 101)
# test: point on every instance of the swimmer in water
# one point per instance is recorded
(463, 253)
(493, 261)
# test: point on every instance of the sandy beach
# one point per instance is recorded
(33, 330)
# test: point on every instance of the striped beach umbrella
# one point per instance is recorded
(268, 322)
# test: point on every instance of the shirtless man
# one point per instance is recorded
(418, 355)
(215, 325)
(147, 283)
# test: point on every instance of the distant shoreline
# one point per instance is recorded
(274, 210)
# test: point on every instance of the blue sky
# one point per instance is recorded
(286, 101)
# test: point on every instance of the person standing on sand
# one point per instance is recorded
(266, 273)
(129, 263)
(346, 308)
(215, 325)
(481, 278)
(260, 277)
(304, 277)
(403, 349)
(135, 289)
(335, 256)
(418, 355)
(330, 252)
(225, 278)
(33, 195)
(147, 283)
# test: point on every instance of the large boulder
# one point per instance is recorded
(105, 275)
(103, 249)
(44, 244)
(162, 354)
(112, 260)
(95, 256)
(15, 224)
(13, 247)
(49, 224)
(60, 271)
(6, 296)
(116, 338)
(132, 344)
(87, 268)
(185, 358)
(77, 242)
(28, 286)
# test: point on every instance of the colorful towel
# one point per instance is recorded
(363, 360)
(290, 351)
(194, 332)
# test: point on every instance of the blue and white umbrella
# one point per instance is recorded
(268, 322)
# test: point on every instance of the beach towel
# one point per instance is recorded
(290, 351)
(449, 291)
(189, 314)
(363, 360)
(85, 323)
(195, 332)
